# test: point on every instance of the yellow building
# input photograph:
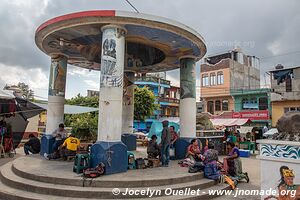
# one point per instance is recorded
(285, 96)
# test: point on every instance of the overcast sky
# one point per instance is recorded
(268, 29)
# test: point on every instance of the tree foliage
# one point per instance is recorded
(144, 103)
(83, 125)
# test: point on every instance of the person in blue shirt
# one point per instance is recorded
(234, 163)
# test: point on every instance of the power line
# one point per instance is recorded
(136, 10)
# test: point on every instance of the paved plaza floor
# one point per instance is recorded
(250, 165)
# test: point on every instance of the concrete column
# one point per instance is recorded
(109, 149)
(128, 103)
(111, 83)
(187, 97)
(56, 93)
(56, 100)
(187, 109)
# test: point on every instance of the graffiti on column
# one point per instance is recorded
(111, 73)
(187, 79)
(57, 79)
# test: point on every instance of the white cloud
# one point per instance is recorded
(93, 85)
(76, 71)
(34, 77)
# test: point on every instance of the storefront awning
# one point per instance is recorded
(229, 122)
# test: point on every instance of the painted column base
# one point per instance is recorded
(46, 144)
(129, 140)
(112, 154)
(181, 146)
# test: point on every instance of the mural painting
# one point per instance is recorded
(57, 80)
(111, 73)
(128, 88)
(187, 79)
(287, 189)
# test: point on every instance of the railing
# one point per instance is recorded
(170, 100)
(152, 79)
(281, 96)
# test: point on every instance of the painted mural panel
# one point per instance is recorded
(280, 151)
(57, 79)
(128, 89)
(283, 181)
(187, 78)
(111, 66)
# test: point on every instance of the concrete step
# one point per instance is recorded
(165, 179)
(8, 193)
(9, 178)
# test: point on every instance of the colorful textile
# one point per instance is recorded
(211, 171)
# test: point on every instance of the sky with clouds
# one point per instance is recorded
(268, 29)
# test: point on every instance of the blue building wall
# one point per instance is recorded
(154, 87)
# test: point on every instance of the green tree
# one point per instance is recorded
(144, 103)
(83, 125)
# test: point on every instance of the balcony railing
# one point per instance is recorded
(169, 100)
(153, 79)
(282, 96)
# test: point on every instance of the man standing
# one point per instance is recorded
(60, 135)
(32, 146)
(165, 144)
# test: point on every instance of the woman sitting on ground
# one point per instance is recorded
(210, 159)
(194, 151)
(153, 149)
(234, 163)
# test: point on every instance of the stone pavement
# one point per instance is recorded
(19, 152)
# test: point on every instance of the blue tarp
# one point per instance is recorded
(282, 75)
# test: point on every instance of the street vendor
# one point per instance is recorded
(194, 151)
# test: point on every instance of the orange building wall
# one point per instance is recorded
(216, 90)
(230, 102)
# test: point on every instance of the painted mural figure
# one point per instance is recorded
(59, 83)
(287, 189)
(188, 80)
(109, 48)
(57, 79)
(111, 75)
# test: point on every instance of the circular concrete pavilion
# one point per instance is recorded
(119, 44)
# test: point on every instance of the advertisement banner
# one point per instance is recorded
(252, 115)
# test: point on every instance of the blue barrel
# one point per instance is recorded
(46, 144)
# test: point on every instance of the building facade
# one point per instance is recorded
(226, 73)
(253, 104)
(92, 93)
(167, 97)
(285, 95)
